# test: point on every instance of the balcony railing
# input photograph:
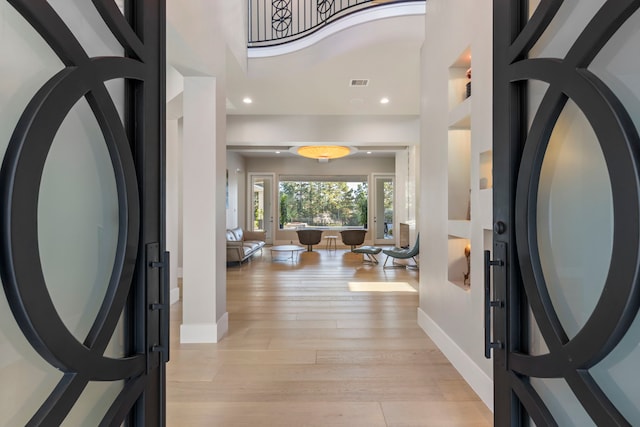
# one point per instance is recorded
(274, 22)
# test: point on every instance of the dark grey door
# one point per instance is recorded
(566, 247)
(82, 213)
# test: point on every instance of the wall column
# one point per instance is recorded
(173, 203)
(204, 255)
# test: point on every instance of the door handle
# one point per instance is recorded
(162, 307)
(489, 304)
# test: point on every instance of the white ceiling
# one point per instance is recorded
(315, 80)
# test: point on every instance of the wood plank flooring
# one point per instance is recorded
(325, 341)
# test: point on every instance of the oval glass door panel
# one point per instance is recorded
(575, 240)
(78, 220)
(574, 219)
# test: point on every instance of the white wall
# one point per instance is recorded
(299, 165)
(450, 315)
(236, 190)
(371, 130)
(236, 16)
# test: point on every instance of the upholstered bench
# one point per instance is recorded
(369, 251)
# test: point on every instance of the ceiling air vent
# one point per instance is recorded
(359, 83)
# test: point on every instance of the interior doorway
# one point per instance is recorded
(261, 202)
(383, 202)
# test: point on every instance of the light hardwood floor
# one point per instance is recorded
(325, 341)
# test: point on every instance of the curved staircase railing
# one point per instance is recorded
(275, 22)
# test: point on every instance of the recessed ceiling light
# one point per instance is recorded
(384, 100)
(247, 100)
(368, 152)
(277, 152)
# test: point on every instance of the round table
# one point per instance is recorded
(294, 249)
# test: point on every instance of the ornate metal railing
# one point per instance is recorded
(274, 22)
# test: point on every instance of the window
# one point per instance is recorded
(339, 201)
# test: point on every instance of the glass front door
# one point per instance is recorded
(84, 312)
(566, 206)
(383, 203)
(261, 212)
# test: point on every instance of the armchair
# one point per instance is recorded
(353, 238)
(309, 237)
(399, 253)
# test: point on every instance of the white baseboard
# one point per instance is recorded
(223, 325)
(479, 381)
(198, 333)
(174, 296)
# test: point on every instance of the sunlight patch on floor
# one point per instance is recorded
(381, 287)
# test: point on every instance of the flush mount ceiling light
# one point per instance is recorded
(247, 100)
(323, 152)
(384, 100)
